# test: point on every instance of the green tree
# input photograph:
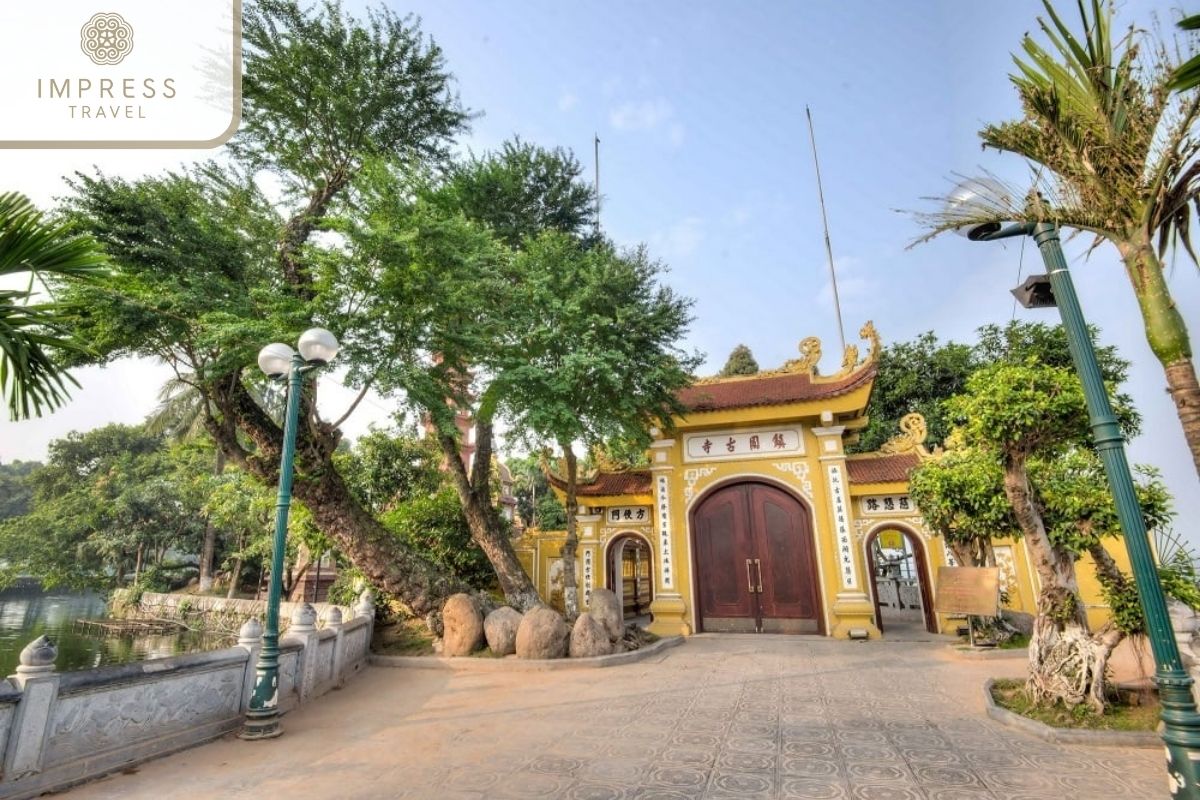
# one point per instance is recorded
(385, 468)
(434, 524)
(15, 491)
(915, 376)
(1117, 158)
(31, 333)
(436, 277)
(1027, 425)
(208, 271)
(598, 357)
(740, 362)
(536, 501)
(922, 374)
(107, 504)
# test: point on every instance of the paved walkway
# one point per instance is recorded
(722, 716)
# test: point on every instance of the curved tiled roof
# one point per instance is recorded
(608, 483)
(882, 469)
(771, 390)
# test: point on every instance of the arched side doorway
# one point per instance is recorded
(899, 580)
(630, 571)
(754, 561)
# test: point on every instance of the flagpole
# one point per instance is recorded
(837, 303)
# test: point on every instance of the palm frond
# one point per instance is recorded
(30, 379)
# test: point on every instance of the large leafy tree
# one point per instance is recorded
(33, 331)
(1116, 156)
(208, 270)
(1026, 425)
(107, 504)
(433, 292)
(920, 375)
(597, 358)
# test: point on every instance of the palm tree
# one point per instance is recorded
(1116, 157)
(30, 333)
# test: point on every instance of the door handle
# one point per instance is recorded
(758, 566)
(749, 577)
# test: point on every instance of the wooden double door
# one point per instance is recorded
(755, 565)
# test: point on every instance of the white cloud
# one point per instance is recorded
(679, 241)
(567, 101)
(646, 115)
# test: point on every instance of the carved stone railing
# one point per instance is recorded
(57, 729)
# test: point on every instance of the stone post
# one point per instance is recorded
(366, 608)
(35, 713)
(304, 630)
(250, 638)
(333, 622)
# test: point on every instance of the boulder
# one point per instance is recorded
(462, 626)
(542, 634)
(500, 630)
(605, 608)
(588, 638)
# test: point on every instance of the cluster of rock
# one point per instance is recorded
(539, 633)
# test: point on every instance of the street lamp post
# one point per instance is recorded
(1181, 722)
(317, 348)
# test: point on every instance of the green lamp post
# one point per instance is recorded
(1181, 722)
(317, 348)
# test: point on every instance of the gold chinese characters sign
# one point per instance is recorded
(745, 443)
(974, 591)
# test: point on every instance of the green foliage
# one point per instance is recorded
(191, 282)
(597, 355)
(536, 502)
(15, 491)
(32, 334)
(384, 468)
(961, 496)
(1018, 410)
(1077, 506)
(102, 498)
(435, 525)
(1187, 75)
(323, 92)
(740, 362)
(915, 376)
(521, 191)
(922, 374)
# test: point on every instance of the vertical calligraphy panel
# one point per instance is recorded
(662, 491)
(841, 523)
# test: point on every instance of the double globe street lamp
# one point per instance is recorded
(1181, 722)
(279, 362)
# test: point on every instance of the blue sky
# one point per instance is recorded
(705, 157)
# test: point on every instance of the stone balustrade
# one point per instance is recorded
(58, 729)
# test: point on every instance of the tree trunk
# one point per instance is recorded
(1167, 335)
(1062, 654)
(385, 561)
(137, 564)
(208, 549)
(475, 495)
(234, 577)
(571, 544)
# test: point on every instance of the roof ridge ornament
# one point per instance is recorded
(913, 431)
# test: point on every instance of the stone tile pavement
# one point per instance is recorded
(720, 717)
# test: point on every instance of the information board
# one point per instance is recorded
(974, 591)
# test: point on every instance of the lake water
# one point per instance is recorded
(27, 613)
